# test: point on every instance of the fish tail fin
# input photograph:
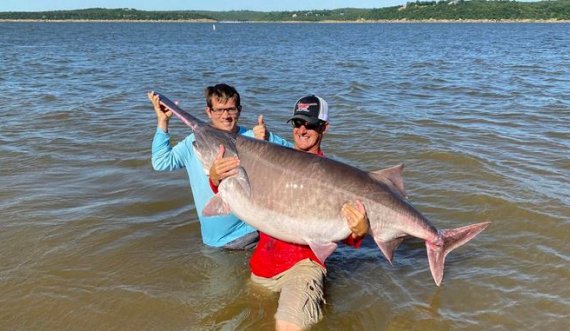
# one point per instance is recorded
(447, 241)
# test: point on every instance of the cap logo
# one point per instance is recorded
(305, 106)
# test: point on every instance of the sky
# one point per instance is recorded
(214, 5)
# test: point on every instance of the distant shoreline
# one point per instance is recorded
(286, 22)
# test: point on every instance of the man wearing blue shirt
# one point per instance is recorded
(223, 108)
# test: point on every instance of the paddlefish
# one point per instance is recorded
(297, 196)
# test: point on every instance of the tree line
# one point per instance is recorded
(418, 10)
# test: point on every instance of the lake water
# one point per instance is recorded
(91, 238)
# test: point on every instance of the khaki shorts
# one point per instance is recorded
(302, 297)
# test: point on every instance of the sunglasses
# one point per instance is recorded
(296, 123)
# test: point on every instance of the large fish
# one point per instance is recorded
(297, 196)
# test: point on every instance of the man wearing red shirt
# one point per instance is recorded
(293, 269)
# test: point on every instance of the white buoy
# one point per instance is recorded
(214, 27)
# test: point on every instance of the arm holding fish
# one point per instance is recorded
(223, 167)
(164, 156)
(162, 115)
(357, 220)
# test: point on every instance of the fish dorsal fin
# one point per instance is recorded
(391, 176)
(389, 247)
(322, 250)
(216, 206)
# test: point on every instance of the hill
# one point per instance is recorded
(419, 10)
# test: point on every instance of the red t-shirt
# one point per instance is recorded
(273, 256)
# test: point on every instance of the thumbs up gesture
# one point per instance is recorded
(260, 130)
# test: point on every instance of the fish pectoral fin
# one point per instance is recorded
(389, 247)
(392, 176)
(322, 250)
(216, 206)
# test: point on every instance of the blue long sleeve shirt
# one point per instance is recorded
(217, 231)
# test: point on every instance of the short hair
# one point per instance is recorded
(222, 93)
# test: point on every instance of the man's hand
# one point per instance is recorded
(223, 167)
(162, 115)
(356, 218)
(260, 130)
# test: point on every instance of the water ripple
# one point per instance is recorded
(92, 236)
